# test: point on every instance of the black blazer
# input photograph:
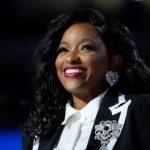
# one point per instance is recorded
(122, 123)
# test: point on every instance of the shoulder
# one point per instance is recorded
(140, 105)
(138, 99)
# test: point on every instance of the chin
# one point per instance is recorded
(73, 90)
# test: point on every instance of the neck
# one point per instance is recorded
(80, 101)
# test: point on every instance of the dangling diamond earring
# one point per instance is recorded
(112, 78)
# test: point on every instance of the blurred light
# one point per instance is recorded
(147, 2)
(138, 0)
(10, 138)
(59, 5)
(49, 6)
(110, 5)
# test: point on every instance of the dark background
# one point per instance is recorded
(23, 24)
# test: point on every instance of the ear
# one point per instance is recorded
(116, 62)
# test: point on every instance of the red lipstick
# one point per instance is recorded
(73, 71)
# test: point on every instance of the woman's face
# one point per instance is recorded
(82, 61)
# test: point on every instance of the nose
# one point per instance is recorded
(73, 58)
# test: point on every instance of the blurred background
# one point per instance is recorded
(23, 23)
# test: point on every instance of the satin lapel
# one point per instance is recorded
(107, 117)
(48, 143)
(27, 142)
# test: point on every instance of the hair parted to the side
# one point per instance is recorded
(51, 97)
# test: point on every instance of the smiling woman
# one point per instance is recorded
(77, 67)
(91, 86)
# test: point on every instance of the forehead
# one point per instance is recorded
(80, 30)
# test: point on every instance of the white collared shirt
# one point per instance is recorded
(78, 125)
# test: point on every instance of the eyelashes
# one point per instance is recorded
(62, 50)
(85, 47)
(88, 47)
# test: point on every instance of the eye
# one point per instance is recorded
(87, 47)
(62, 50)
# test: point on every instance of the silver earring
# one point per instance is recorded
(112, 78)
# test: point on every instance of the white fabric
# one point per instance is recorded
(35, 145)
(123, 113)
(78, 125)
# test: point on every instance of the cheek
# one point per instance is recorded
(103, 61)
(100, 68)
(58, 63)
(98, 60)
(59, 68)
(99, 65)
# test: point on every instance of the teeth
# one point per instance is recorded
(73, 71)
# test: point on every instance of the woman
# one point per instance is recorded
(91, 85)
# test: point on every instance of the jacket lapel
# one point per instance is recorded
(109, 121)
(49, 143)
(27, 142)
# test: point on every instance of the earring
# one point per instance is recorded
(112, 78)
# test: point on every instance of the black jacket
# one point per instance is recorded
(121, 124)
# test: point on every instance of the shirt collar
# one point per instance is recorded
(85, 112)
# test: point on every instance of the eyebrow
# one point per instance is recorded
(82, 41)
(63, 42)
(86, 40)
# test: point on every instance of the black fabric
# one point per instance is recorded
(136, 130)
(50, 143)
(27, 143)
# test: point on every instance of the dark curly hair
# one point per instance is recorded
(50, 96)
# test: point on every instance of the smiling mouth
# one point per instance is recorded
(73, 72)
